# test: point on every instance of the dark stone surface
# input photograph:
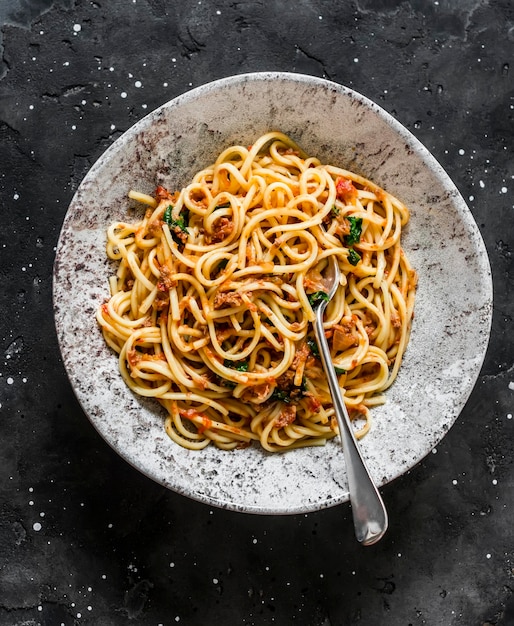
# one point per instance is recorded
(86, 539)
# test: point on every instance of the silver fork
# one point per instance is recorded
(368, 510)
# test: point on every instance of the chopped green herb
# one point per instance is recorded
(353, 257)
(222, 265)
(335, 211)
(339, 370)
(318, 296)
(222, 206)
(234, 365)
(355, 231)
(167, 214)
(180, 221)
(281, 395)
(313, 347)
(229, 384)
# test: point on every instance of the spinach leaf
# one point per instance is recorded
(313, 347)
(317, 296)
(180, 221)
(355, 231)
(241, 366)
(353, 257)
(281, 395)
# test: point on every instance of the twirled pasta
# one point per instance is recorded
(211, 308)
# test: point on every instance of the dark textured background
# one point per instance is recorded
(84, 538)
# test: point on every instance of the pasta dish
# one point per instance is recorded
(212, 304)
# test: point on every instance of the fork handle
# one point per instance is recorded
(368, 510)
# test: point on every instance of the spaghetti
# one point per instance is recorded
(212, 306)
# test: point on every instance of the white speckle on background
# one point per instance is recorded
(215, 581)
(461, 152)
(37, 526)
(123, 94)
(77, 28)
(10, 380)
(509, 416)
(356, 60)
(494, 481)
(488, 556)
(511, 386)
(16, 196)
(454, 482)
(138, 84)
(481, 183)
(503, 190)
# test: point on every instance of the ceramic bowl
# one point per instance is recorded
(452, 313)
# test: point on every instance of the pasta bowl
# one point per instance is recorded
(341, 127)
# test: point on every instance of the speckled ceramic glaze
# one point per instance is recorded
(452, 313)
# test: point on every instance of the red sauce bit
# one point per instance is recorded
(345, 189)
